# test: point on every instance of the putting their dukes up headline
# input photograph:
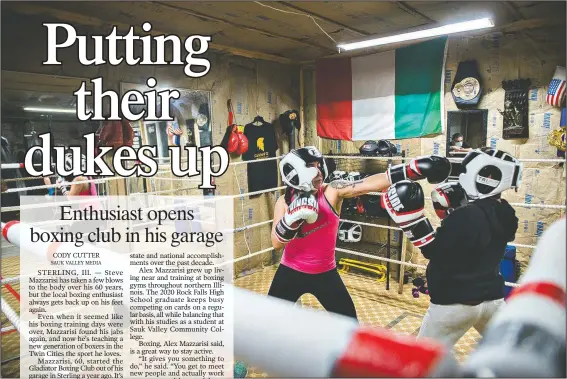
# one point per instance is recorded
(106, 52)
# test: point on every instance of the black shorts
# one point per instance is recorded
(327, 287)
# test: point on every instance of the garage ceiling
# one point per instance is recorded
(287, 31)
(23, 89)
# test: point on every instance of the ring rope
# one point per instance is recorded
(523, 205)
(11, 315)
(242, 228)
(47, 186)
(361, 157)
(163, 191)
(28, 178)
(247, 256)
(11, 290)
(509, 284)
(48, 204)
(7, 329)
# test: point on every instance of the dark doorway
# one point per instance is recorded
(471, 125)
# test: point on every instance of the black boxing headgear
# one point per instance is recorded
(369, 148)
(386, 148)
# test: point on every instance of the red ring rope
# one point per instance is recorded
(545, 289)
(11, 289)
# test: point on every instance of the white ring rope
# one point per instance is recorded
(57, 185)
(249, 255)
(398, 157)
(164, 191)
(4, 166)
(526, 205)
(48, 204)
(372, 225)
(11, 315)
(7, 329)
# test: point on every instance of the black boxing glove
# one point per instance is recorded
(404, 202)
(447, 197)
(434, 168)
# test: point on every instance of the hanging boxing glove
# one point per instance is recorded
(242, 143)
(233, 140)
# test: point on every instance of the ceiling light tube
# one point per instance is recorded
(49, 110)
(427, 33)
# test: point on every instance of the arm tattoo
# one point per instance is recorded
(341, 184)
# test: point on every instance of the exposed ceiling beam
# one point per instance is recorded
(406, 8)
(514, 10)
(323, 18)
(87, 20)
(534, 23)
(240, 26)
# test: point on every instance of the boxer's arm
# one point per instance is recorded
(77, 188)
(346, 189)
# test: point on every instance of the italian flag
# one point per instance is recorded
(395, 94)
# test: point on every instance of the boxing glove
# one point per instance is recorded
(233, 140)
(303, 208)
(434, 168)
(242, 143)
(404, 202)
(62, 187)
(447, 197)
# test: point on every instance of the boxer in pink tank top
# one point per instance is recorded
(313, 252)
(306, 223)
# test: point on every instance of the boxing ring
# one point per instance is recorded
(360, 285)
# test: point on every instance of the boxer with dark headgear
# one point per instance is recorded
(306, 223)
(464, 281)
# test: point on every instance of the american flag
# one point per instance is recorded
(556, 90)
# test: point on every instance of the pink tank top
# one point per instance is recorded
(91, 192)
(313, 250)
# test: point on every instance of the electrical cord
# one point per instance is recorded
(300, 14)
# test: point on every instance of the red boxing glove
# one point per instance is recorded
(233, 140)
(242, 143)
(447, 197)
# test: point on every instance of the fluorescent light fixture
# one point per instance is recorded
(433, 32)
(50, 110)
